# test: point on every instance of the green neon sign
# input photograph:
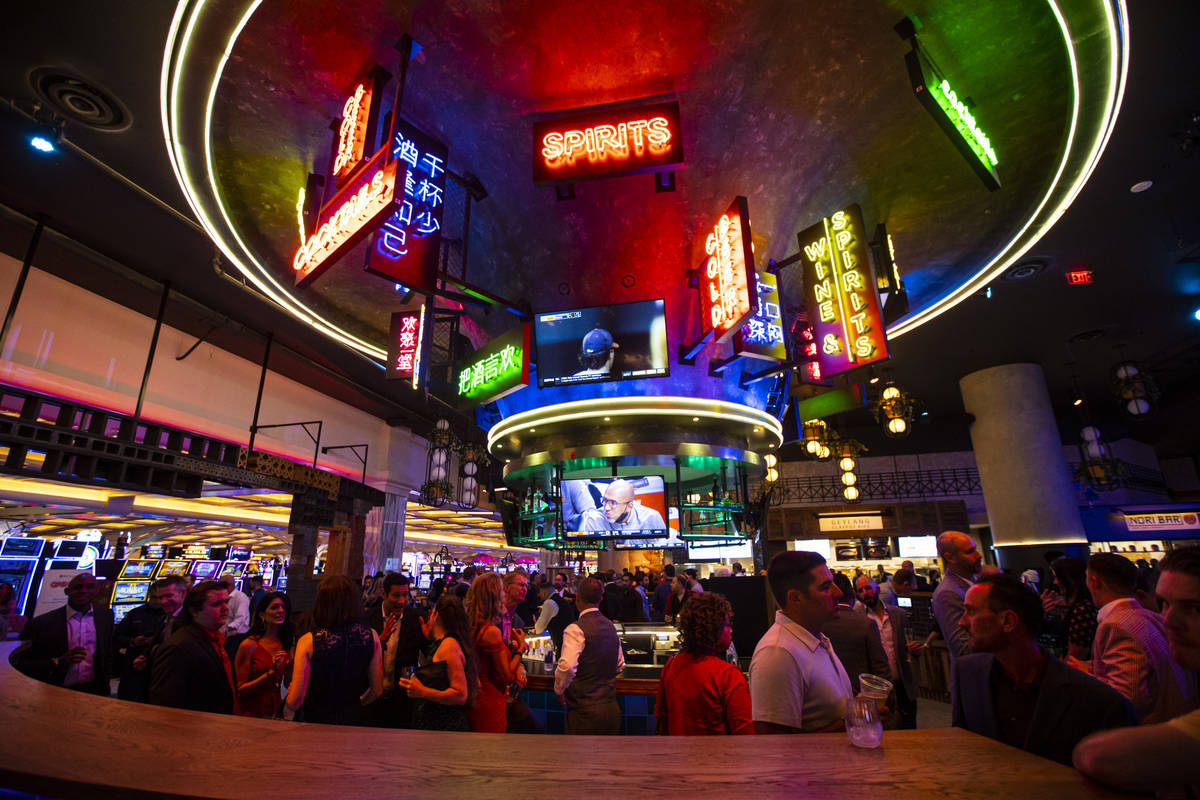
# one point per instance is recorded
(952, 115)
(963, 120)
(498, 368)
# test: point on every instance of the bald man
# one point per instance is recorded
(963, 562)
(620, 512)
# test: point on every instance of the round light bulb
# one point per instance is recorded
(824, 452)
(1090, 433)
(890, 393)
(1138, 406)
(849, 479)
(440, 457)
(770, 460)
(772, 475)
(437, 473)
(443, 424)
(470, 467)
(850, 493)
(897, 425)
(812, 445)
(468, 484)
(846, 464)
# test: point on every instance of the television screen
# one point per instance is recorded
(130, 591)
(877, 547)
(234, 568)
(70, 548)
(602, 343)
(23, 546)
(240, 552)
(138, 569)
(918, 547)
(819, 546)
(671, 541)
(153, 551)
(205, 570)
(707, 552)
(615, 508)
(173, 568)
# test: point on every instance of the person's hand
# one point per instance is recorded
(77, 655)
(522, 677)
(915, 648)
(389, 628)
(278, 663)
(412, 686)
(1051, 600)
(518, 640)
(139, 663)
(562, 699)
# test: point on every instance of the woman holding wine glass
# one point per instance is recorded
(446, 683)
(263, 657)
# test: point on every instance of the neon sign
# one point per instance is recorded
(762, 336)
(726, 302)
(954, 117)
(404, 346)
(356, 209)
(1079, 277)
(352, 134)
(405, 248)
(843, 306)
(606, 142)
(497, 369)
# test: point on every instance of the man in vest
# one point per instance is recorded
(557, 613)
(586, 677)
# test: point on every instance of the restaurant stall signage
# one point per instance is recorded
(762, 336)
(1186, 520)
(604, 142)
(405, 247)
(499, 368)
(953, 115)
(843, 306)
(404, 346)
(726, 299)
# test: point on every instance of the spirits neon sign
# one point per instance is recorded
(843, 306)
(594, 142)
(726, 301)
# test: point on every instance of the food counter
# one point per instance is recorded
(64, 744)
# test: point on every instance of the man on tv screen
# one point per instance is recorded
(597, 352)
(619, 512)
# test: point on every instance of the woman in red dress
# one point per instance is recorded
(497, 662)
(263, 657)
(700, 693)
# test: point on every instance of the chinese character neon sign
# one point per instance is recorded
(404, 346)
(726, 301)
(592, 143)
(497, 369)
(762, 336)
(405, 248)
(954, 117)
(346, 219)
(843, 306)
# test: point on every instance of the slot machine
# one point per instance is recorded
(21, 564)
(128, 595)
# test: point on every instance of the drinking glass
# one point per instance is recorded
(862, 722)
(877, 688)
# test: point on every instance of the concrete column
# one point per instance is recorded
(1027, 487)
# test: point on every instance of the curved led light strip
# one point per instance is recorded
(1118, 71)
(267, 283)
(635, 406)
(174, 59)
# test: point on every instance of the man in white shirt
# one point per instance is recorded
(586, 676)
(239, 608)
(70, 646)
(797, 682)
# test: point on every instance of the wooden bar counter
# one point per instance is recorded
(64, 744)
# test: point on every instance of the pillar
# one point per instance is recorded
(1027, 485)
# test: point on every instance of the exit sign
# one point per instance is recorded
(1078, 277)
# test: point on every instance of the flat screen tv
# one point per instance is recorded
(615, 508)
(70, 548)
(918, 547)
(709, 552)
(205, 570)
(130, 591)
(617, 342)
(17, 546)
(138, 568)
(234, 568)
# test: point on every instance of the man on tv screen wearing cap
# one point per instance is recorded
(597, 352)
(619, 512)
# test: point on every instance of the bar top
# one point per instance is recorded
(65, 744)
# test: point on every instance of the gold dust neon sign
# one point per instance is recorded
(843, 306)
(725, 297)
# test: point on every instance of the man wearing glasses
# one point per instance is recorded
(619, 512)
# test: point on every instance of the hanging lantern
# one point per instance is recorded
(693, 498)
(894, 411)
(849, 479)
(897, 426)
(1135, 390)
(850, 493)
(823, 453)
(814, 431)
(769, 460)
(772, 475)
(1097, 468)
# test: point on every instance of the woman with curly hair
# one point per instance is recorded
(701, 694)
(498, 660)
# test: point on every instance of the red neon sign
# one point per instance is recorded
(352, 135)
(404, 346)
(726, 301)
(1077, 277)
(347, 218)
(592, 143)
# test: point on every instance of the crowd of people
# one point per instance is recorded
(1120, 704)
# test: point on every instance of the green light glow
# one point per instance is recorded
(962, 118)
(490, 373)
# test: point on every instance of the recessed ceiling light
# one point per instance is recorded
(758, 430)
(1141, 186)
(533, 430)
(695, 419)
(608, 419)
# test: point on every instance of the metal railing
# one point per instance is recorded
(900, 485)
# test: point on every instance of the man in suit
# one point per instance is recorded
(399, 627)
(586, 676)
(131, 643)
(963, 562)
(71, 646)
(1009, 690)
(855, 640)
(192, 669)
(1130, 652)
(890, 621)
